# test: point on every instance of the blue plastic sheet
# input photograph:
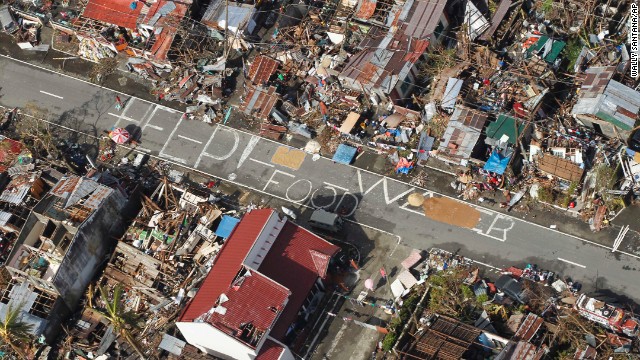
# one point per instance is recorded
(345, 154)
(226, 226)
(497, 163)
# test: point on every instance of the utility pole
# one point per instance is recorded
(226, 27)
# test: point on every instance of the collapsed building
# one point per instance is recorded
(60, 247)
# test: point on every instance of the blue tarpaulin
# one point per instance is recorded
(226, 226)
(497, 163)
(345, 154)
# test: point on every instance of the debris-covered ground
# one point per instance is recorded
(529, 108)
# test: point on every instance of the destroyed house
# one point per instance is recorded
(62, 243)
(606, 105)
(445, 338)
(150, 26)
(386, 65)
(461, 139)
(236, 14)
(267, 278)
(141, 274)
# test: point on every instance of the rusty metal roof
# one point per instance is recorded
(445, 339)
(529, 327)
(261, 69)
(74, 189)
(596, 81)
(259, 101)
(366, 9)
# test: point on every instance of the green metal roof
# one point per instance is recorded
(613, 120)
(556, 48)
(504, 125)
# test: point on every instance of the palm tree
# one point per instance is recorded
(14, 332)
(121, 320)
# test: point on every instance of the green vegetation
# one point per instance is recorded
(15, 333)
(404, 315)
(546, 195)
(569, 194)
(572, 51)
(547, 5)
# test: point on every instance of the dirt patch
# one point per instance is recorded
(451, 212)
(288, 157)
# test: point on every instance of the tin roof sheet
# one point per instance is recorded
(366, 9)
(115, 12)
(423, 18)
(261, 69)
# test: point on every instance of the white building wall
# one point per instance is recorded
(215, 342)
(265, 240)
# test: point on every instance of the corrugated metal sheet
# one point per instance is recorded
(608, 99)
(464, 129)
(451, 93)
(293, 252)
(259, 101)
(227, 264)
(366, 10)
(116, 12)
(262, 69)
(424, 17)
(496, 19)
(15, 195)
(97, 197)
(4, 217)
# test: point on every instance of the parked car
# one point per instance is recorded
(324, 220)
(9, 24)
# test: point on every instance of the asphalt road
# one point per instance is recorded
(268, 167)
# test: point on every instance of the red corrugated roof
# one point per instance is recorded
(256, 300)
(227, 264)
(262, 69)
(116, 12)
(270, 350)
(290, 262)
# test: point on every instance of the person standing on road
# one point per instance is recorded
(118, 103)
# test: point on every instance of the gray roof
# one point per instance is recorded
(464, 130)
(608, 99)
(451, 93)
(423, 18)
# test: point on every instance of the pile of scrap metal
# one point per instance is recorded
(202, 87)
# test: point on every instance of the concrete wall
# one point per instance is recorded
(88, 250)
(215, 342)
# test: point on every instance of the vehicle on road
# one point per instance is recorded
(9, 24)
(608, 316)
(324, 220)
